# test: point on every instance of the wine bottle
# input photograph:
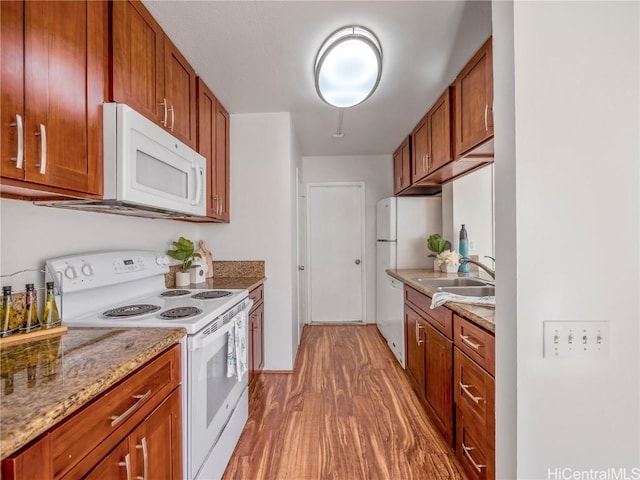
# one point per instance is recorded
(30, 321)
(9, 317)
(50, 315)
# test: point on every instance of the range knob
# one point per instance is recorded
(70, 273)
(163, 260)
(87, 270)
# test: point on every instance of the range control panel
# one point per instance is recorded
(92, 270)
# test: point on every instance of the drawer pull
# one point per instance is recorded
(418, 340)
(141, 398)
(465, 389)
(465, 451)
(465, 339)
(127, 465)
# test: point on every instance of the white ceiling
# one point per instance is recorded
(258, 57)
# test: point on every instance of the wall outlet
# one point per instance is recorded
(570, 339)
(472, 246)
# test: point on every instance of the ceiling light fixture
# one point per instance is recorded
(348, 66)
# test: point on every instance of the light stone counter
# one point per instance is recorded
(480, 315)
(45, 381)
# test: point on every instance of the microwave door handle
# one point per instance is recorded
(199, 181)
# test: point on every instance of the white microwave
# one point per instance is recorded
(144, 165)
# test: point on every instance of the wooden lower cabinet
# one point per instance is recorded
(133, 430)
(472, 450)
(415, 360)
(256, 332)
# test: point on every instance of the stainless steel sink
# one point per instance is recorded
(473, 291)
(452, 282)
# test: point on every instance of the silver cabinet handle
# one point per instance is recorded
(145, 459)
(164, 105)
(465, 451)
(221, 204)
(465, 389)
(126, 464)
(141, 398)
(465, 339)
(418, 327)
(19, 158)
(486, 112)
(43, 149)
(424, 162)
(173, 117)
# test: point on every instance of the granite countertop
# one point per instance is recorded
(55, 376)
(241, 274)
(480, 315)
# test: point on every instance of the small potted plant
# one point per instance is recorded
(183, 251)
(437, 245)
(450, 261)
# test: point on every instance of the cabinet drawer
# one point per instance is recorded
(441, 318)
(474, 394)
(477, 343)
(473, 453)
(257, 295)
(92, 432)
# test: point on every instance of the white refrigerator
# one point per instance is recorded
(402, 227)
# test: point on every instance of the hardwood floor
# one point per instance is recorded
(347, 412)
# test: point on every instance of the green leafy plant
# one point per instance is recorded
(184, 251)
(437, 244)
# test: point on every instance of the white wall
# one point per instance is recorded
(261, 221)
(377, 174)
(576, 171)
(472, 205)
(31, 234)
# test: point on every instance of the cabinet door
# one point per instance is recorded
(137, 59)
(474, 101)
(258, 339)
(180, 93)
(12, 85)
(440, 132)
(222, 162)
(420, 153)
(415, 348)
(115, 466)
(439, 387)
(402, 166)
(56, 95)
(33, 462)
(155, 445)
(397, 170)
(206, 140)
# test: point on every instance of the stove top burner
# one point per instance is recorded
(131, 310)
(180, 312)
(174, 293)
(211, 294)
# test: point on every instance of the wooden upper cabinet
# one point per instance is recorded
(439, 126)
(222, 162)
(180, 93)
(213, 144)
(474, 101)
(149, 74)
(402, 166)
(53, 87)
(420, 150)
(137, 59)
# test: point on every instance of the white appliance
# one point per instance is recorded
(402, 227)
(147, 171)
(126, 289)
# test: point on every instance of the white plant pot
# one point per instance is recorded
(183, 279)
(447, 268)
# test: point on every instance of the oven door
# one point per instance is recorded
(212, 396)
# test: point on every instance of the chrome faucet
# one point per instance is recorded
(491, 272)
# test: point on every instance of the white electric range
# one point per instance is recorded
(126, 289)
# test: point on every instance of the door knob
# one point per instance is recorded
(358, 261)
(301, 267)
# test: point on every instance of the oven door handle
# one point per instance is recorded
(200, 342)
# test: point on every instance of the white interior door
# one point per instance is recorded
(335, 219)
(301, 208)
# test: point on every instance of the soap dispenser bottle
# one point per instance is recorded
(463, 248)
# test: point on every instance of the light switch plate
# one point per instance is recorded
(577, 339)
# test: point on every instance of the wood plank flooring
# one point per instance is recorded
(347, 413)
